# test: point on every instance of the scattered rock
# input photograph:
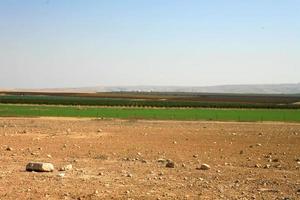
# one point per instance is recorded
(9, 149)
(39, 167)
(66, 168)
(61, 175)
(170, 164)
(203, 167)
(267, 190)
(267, 166)
(162, 160)
(257, 165)
(99, 130)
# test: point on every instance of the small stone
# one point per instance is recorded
(49, 156)
(170, 164)
(161, 160)
(195, 156)
(9, 149)
(61, 175)
(129, 175)
(174, 142)
(160, 173)
(39, 167)
(203, 167)
(241, 152)
(275, 160)
(267, 166)
(99, 130)
(101, 174)
(66, 168)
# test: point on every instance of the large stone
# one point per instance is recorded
(39, 167)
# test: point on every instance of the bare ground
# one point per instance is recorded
(118, 159)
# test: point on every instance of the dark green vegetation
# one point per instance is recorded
(150, 113)
(164, 106)
(167, 100)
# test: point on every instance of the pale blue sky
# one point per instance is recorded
(73, 43)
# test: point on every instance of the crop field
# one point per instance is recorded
(287, 115)
(166, 100)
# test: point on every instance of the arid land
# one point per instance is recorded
(126, 159)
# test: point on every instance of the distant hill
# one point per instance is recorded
(235, 89)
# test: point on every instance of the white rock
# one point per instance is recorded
(39, 167)
(61, 175)
(203, 167)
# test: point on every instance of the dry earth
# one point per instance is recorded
(118, 159)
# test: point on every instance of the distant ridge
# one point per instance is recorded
(234, 89)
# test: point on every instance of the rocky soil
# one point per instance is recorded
(128, 159)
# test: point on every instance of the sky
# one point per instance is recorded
(82, 43)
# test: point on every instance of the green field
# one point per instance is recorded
(285, 115)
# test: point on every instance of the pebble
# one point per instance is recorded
(161, 160)
(203, 167)
(39, 167)
(170, 164)
(61, 175)
(267, 166)
(99, 130)
(9, 149)
(66, 168)
(257, 165)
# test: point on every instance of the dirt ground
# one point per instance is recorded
(126, 159)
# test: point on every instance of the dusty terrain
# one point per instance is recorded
(118, 159)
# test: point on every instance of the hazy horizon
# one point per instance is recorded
(67, 44)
